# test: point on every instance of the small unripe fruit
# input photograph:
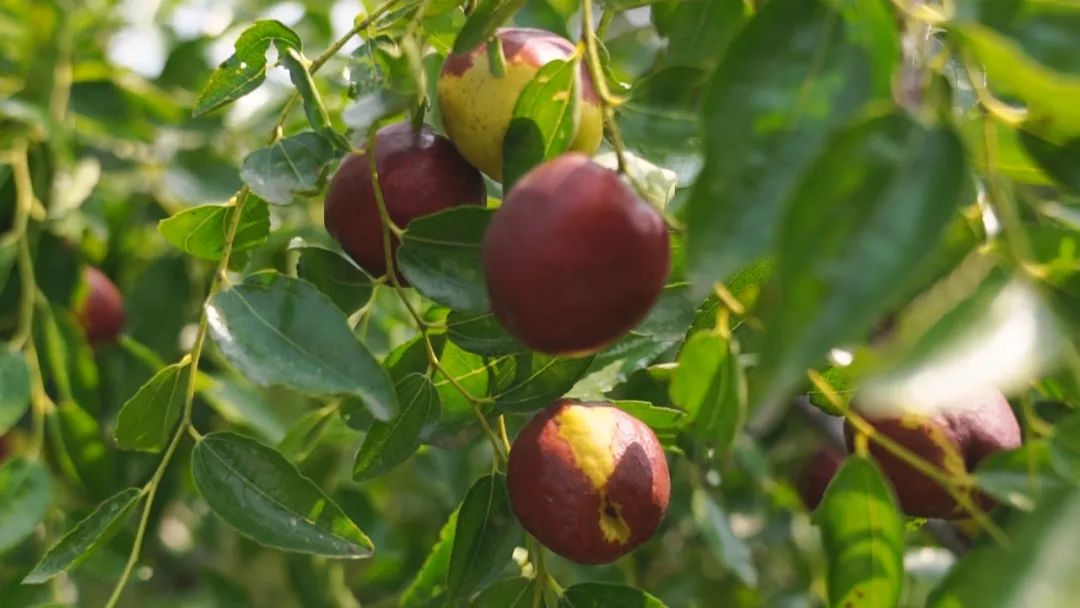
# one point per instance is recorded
(816, 474)
(574, 258)
(101, 310)
(477, 106)
(588, 480)
(974, 428)
(419, 172)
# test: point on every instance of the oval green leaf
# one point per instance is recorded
(282, 331)
(481, 333)
(255, 490)
(389, 444)
(25, 493)
(542, 126)
(607, 595)
(484, 20)
(787, 78)
(710, 386)
(203, 231)
(86, 537)
(245, 70)
(290, 168)
(440, 256)
(517, 592)
(345, 283)
(896, 184)
(147, 419)
(530, 381)
(430, 581)
(14, 388)
(863, 535)
(484, 538)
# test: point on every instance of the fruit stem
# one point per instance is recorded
(391, 273)
(605, 22)
(23, 340)
(503, 434)
(955, 483)
(596, 72)
(496, 58)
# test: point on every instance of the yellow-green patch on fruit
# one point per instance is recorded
(588, 480)
(477, 105)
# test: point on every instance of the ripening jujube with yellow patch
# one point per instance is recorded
(477, 105)
(588, 480)
(955, 439)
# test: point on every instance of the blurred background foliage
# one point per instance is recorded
(119, 150)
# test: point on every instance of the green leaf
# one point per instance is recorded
(484, 538)
(664, 421)
(255, 490)
(1019, 478)
(1065, 448)
(282, 331)
(607, 595)
(336, 276)
(868, 213)
(709, 385)
(542, 126)
(517, 592)
(147, 419)
(14, 387)
(1048, 95)
(304, 436)
(1036, 568)
(481, 333)
(1061, 161)
(203, 231)
(430, 581)
(530, 381)
(785, 81)
(241, 404)
(297, 65)
(475, 374)
(484, 20)
(863, 536)
(712, 521)
(84, 452)
(86, 537)
(389, 444)
(290, 168)
(440, 256)
(698, 31)
(25, 494)
(68, 361)
(245, 70)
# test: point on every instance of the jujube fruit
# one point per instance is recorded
(574, 258)
(588, 480)
(477, 106)
(974, 427)
(101, 309)
(420, 173)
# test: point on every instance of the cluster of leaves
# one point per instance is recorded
(833, 164)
